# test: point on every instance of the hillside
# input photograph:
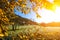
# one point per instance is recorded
(52, 24)
(23, 21)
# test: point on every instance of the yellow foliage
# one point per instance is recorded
(7, 8)
(6, 34)
(37, 15)
(0, 30)
(23, 5)
(0, 10)
(1, 35)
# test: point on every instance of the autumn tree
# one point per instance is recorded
(7, 7)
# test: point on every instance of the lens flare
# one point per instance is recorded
(49, 16)
(51, 1)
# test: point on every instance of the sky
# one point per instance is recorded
(46, 15)
(31, 15)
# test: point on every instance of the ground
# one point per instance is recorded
(35, 32)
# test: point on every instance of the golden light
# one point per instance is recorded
(49, 16)
(57, 10)
(51, 1)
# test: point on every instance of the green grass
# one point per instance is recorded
(35, 32)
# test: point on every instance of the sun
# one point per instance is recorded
(57, 10)
(48, 15)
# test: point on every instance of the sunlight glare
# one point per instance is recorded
(49, 16)
(51, 1)
(57, 10)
